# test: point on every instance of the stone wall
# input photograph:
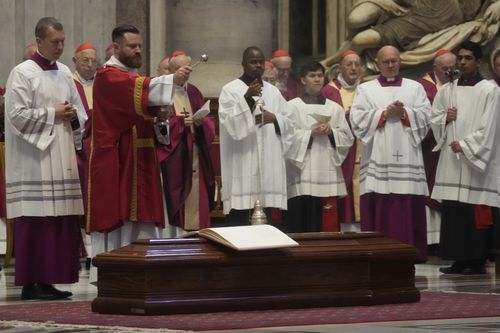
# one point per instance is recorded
(83, 20)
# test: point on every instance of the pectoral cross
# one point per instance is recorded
(184, 112)
(397, 155)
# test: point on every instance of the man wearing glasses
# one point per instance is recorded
(85, 61)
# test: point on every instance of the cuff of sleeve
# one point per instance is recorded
(405, 120)
(381, 121)
(276, 127)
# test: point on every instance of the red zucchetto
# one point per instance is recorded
(85, 46)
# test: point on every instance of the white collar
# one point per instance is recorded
(113, 61)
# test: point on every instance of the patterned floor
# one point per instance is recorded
(427, 278)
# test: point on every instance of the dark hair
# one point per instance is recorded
(311, 66)
(474, 47)
(121, 30)
(44, 24)
(250, 49)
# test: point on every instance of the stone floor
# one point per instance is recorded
(427, 278)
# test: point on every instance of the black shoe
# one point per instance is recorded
(34, 291)
(48, 288)
(88, 262)
(451, 270)
(457, 268)
(474, 270)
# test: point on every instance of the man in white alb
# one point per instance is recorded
(253, 140)
(390, 116)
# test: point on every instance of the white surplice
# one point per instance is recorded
(41, 169)
(392, 156)
(475, 176)
(317, 171)
(252, 157)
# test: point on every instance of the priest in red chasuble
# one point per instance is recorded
(188, 176)
(125, 195)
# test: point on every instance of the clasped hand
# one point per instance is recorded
(322, 129)
(64, 111)
(395, 110)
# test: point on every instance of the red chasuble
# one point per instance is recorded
(124, 178)
(177, 164)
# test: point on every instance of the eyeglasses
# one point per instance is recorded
(87, 61)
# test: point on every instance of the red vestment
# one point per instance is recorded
(293, 89)
(431, 158)
(124, 177)
(82, 158)
(177, 163)
(345, 206)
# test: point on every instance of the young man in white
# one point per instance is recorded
(465, 122)
(320, 144)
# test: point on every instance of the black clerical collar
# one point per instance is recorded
(394, 82)
(470, 81)
(497, 80)
(310, 99)
(249, 79)
(44, 63)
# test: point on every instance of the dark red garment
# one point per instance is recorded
(430, 87)
(329, 220)
(345, 205)
(3, 202)
(293, 90)
(484, 216)
(428, 143)
(398, 216)
(47, 249)
(176, 162)
(124, 179)
(82, 158)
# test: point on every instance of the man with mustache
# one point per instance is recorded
(253, 140)
(125, 195)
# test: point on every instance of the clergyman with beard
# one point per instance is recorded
(124, 184)
(253, 141)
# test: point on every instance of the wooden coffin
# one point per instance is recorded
(191, 275)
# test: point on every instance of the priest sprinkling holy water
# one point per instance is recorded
(125, 194)
(390, 115)
(255, 131)
(465, 121)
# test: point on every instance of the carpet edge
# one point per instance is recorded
(51, 324)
